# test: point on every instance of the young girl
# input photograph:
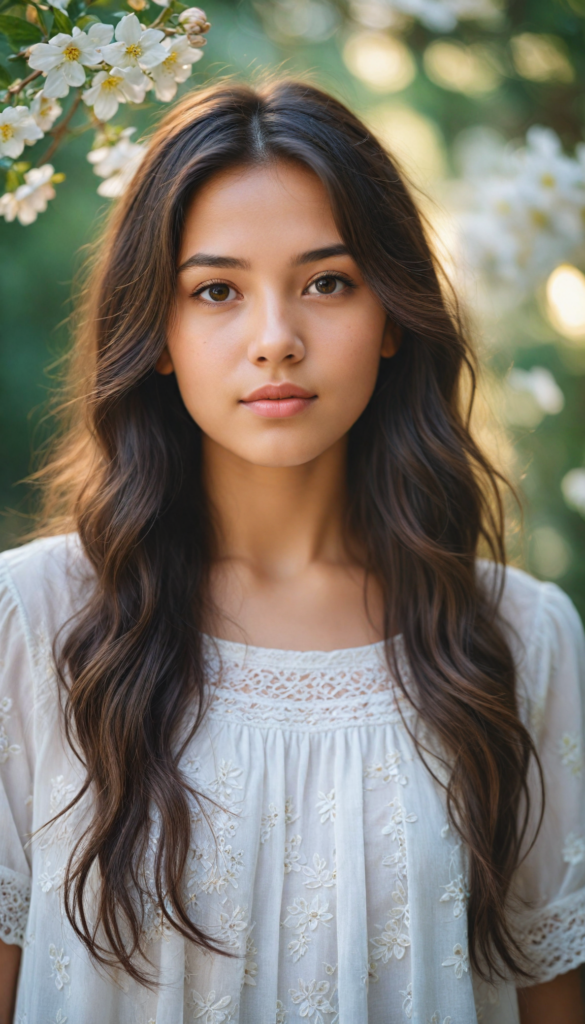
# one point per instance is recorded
(275, 744)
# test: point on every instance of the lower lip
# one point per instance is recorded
(279, 408)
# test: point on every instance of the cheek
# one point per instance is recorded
(351, 359)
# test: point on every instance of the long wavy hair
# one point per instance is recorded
(126, 475)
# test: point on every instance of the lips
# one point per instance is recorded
(277, 401)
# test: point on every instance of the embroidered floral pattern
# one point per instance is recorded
(570, 753)
(14, 906)
(456, 891)
(319, 874)
(231, 925)
(211, 1010)
(59, 964)
(251, 967)
(7, 749)
(311, 998)
(389, 771)
(292, 854)
(326, 806)
(407, 1003)
(268, 822)
(574, 849)
(459, 961)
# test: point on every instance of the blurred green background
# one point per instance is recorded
(423, 87)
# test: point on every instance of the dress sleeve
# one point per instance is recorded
(551, 880)
(16, 755)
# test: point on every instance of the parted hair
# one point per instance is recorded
(126, 474)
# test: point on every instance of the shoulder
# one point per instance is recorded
(545, 634)
(527, 605)
(47, 579)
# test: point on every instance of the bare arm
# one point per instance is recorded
(9, 964)
(555, 1002)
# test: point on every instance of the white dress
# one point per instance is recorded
(334, 873)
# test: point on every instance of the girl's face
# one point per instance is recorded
(277, 339)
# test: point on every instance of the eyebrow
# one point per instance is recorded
(206, 259)
(324, 253)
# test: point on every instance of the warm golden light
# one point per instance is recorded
(413, 139)
(565, 294)
(384, 63)
(468, 69)
(541, 58)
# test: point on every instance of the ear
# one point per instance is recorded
(391, 339)
(164, 363)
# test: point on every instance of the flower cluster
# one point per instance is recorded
(523, 207)
(105, 65)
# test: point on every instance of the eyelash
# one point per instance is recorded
(334, 274)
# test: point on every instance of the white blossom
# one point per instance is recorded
(135, 46)
(303, 915)
(17, 127)
(110, 88)
(117, 164)
(45, 110)
(521, 214)
(30, 199)
(64, 58)
(175, 68)
(457, 891)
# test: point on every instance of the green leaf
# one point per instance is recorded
(5, 77)
(19, 32)
(62, 22)
(86, 20)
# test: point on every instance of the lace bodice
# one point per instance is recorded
(304, 689)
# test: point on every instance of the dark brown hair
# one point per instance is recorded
(126, 476)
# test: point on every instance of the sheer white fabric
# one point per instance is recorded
(324, 859)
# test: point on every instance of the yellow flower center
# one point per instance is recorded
(538, 218)
(72, 52)
(6, 132)
(134, 50)
(548, 181)
(112, 82)
(170, 60)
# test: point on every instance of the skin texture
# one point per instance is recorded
(286, 576)
(9, 964)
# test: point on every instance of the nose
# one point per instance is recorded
(275, 338)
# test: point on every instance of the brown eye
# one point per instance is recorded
(218, 292)
(326, 285)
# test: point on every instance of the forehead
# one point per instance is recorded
(281, 205)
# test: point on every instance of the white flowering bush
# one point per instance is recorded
(65, 52)
(521, 207)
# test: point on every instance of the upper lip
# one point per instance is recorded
(276, 391)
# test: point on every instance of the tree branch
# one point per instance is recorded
(60, 131)
(19, 86)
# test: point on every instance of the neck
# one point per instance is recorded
(279, 520)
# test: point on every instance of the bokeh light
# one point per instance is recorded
(541, 58)
(467, 69)
(380, 60)
(412, 138)
(551, 555)
(565, 295)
